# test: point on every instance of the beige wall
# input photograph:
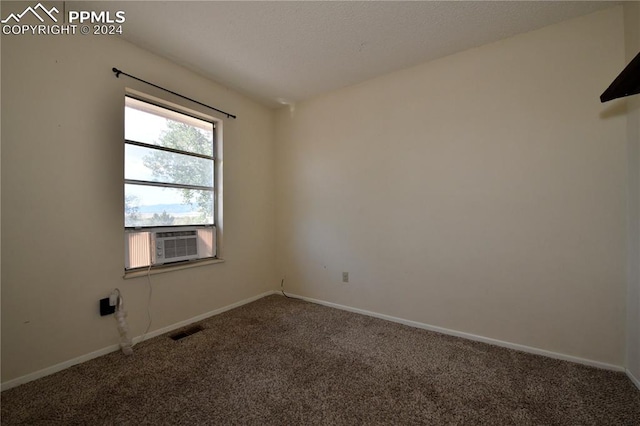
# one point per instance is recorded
(62, 199)
(484, 192)
(632, 43)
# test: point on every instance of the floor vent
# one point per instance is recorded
(187, 332)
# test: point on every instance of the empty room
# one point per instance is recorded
(320, 212)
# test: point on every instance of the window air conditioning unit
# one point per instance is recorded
(174, 245)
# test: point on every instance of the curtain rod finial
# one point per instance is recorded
(116, 71)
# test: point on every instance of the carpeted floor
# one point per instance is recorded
(287, 362)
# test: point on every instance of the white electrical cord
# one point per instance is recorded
(144, 335)
(285, 294)
(148, 304)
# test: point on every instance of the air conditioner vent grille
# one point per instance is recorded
(180, 247)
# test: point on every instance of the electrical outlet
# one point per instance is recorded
(345, 277)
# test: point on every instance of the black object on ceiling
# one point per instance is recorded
(625, 84)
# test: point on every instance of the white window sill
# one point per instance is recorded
(170, 268)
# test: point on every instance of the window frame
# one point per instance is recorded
(216, 188)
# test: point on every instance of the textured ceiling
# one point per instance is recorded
(283, 52)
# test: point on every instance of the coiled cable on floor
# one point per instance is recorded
(123, 327)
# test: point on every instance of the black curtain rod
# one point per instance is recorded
(117, 72)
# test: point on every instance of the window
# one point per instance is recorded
(169, 186)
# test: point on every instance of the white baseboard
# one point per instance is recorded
(474, 337)
(634, 379)
(58, 367)
(112, 348)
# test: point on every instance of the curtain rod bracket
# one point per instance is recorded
(117, 72)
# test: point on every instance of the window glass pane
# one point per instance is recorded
(160, 166)
(157, 206)
(153, 125)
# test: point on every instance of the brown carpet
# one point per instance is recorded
(282, 361)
